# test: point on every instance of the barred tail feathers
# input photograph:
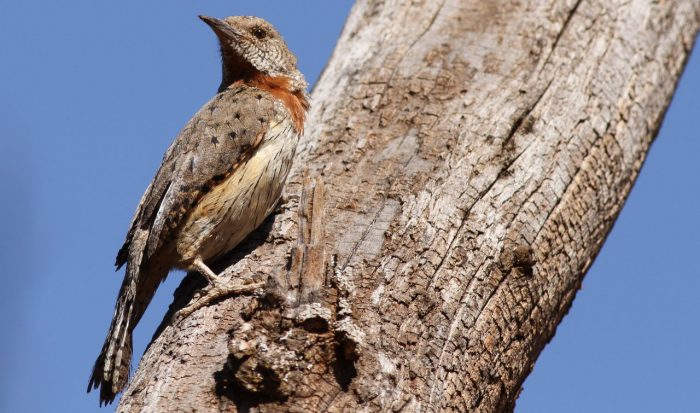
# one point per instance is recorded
(111, 370)
(112, 367)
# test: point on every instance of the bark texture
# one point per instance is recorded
(463, 164)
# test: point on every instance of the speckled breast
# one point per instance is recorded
(240, 203)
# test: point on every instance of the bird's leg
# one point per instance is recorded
(217, 288)
(213, 279)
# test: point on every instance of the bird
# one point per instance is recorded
(218, 181)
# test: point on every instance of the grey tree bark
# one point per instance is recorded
(463, 163)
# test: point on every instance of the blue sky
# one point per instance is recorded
(91, 94)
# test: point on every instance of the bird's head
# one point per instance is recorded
(251, 46)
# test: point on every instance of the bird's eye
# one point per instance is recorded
(259, 33)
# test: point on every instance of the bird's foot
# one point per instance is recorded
(216, 291)
(218, 288)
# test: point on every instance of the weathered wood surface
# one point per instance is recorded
(463, 164)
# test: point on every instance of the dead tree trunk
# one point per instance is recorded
(464, 162)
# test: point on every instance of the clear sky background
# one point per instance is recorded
(92, 93)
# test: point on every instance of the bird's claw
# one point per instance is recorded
(214, 292)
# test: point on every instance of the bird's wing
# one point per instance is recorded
(209, 148)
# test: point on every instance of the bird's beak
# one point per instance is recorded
(221, 28)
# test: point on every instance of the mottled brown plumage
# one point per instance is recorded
(218, 181)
